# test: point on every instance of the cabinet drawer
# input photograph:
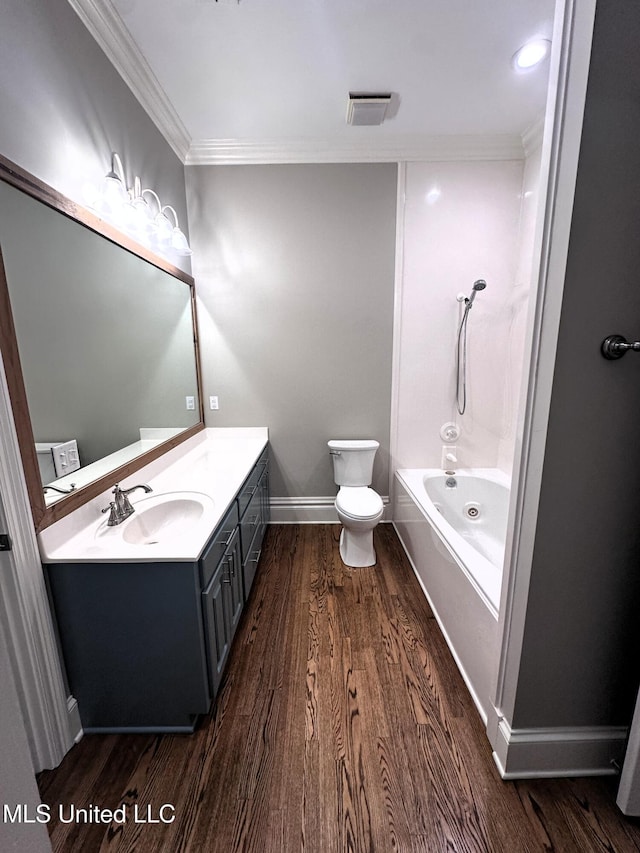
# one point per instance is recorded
(250, 486)
(251, 521)
(219, 542)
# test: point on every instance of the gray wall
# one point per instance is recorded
(65, 108)
(295, 271)
(580, 663)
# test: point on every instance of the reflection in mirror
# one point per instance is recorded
(105, 340)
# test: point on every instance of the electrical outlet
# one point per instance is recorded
(191, 403)
(213, 403)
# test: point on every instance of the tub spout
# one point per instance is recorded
(449, 456)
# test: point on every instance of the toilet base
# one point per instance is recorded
(356, 548)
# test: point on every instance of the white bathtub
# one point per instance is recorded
(455, 535)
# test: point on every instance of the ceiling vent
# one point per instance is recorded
(367, 109)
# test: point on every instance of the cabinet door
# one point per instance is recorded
(235, 589)
(133, 643)
(249, 568)
(215, 603)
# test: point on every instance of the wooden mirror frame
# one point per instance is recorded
(43, 516)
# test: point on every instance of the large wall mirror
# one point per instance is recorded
(99, 344)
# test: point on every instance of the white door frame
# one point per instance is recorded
(514, 749)
(50, 720)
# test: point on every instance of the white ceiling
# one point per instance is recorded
(259, 81)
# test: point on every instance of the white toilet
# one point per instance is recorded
(359, 507)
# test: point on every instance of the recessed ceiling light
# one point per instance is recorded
(531, 54)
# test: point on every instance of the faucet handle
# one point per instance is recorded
(114, 517)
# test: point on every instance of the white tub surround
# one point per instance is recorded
(461, 221)
(460, 582)
(213, 464)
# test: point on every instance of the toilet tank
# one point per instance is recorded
(353, 461)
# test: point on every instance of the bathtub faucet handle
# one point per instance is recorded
(449, 432)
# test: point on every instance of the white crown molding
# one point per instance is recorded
(108, 29)
(388, 150)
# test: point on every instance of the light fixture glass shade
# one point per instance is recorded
(142, 219)
(114, 192)
(164, 228)
(179, 243)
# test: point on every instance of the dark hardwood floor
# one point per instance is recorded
(342, 725)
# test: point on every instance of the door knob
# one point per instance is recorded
(615, 346)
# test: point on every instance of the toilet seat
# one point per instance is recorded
(359, 502)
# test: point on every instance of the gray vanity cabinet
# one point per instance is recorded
(145, 644)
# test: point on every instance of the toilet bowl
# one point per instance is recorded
(359, 507)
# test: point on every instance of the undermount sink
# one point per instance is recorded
(161, 518)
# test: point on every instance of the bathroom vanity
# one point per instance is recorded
(147, 610)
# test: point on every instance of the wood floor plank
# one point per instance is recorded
(342, 724)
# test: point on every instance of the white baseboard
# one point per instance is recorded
(313, 510)
(75, 726)
(555, 752)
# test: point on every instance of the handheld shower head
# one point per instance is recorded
(480, 284)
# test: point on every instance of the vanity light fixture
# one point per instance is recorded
(114, 191)
(175, 236)
(129, 209)
(531, 54)
(141, 217)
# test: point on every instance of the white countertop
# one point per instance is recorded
(214, 463)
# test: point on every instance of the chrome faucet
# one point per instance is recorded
(120, 507)
(68, 491)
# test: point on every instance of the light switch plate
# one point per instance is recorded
(65, 457)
